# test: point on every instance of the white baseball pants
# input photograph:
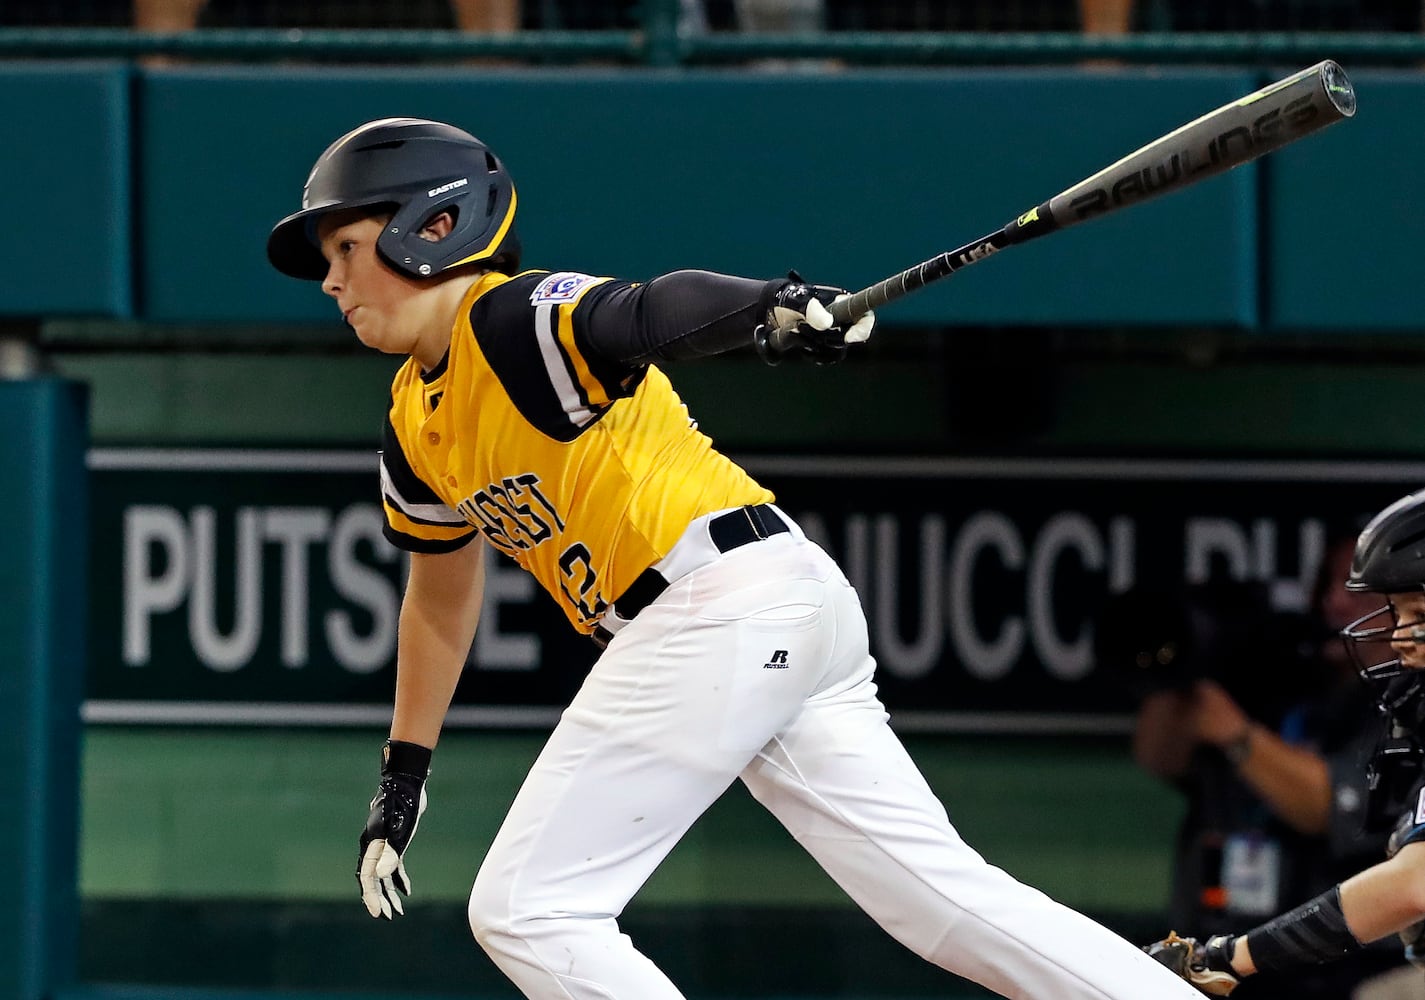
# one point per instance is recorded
(757, 666)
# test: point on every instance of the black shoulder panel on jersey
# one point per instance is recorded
(554, 380)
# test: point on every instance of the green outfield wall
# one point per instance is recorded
(242, 843)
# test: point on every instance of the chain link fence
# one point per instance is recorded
(694, 16)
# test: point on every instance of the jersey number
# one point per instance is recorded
(579, 581)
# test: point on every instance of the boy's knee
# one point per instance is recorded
(489, 911)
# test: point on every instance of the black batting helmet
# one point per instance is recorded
(419, 168)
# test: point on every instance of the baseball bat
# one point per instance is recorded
(1234, 134)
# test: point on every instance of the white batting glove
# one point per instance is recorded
(395, 813)
(860, 331)
(798, 320)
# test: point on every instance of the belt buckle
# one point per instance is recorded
(754, 518)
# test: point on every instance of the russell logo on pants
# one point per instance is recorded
(778, 661)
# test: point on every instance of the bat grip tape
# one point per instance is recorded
(1312, 933)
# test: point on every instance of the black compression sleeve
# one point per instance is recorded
(1314, 932)
(677, 317)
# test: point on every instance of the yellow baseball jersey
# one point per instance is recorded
(583, 470)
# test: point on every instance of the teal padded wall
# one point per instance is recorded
(43, 591)
(65, 174)
(1345, 220)
(845, 176)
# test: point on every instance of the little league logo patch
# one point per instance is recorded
(1420, 808)
(562, 286)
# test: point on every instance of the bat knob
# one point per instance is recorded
(1338, 87)
(771, 343)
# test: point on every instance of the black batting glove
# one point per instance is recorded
(797, 320)
(395, 813)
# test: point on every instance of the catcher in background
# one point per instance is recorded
(1263, 726)
(531, 416)
(1389, 898)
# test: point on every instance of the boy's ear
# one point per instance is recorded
(437, 227)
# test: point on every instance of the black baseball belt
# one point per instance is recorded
(728, 531)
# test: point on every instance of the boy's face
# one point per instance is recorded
(375, 300)
(1409, 637)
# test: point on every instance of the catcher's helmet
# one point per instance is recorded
(419, 168)
(1390, 553)
(1389, 559)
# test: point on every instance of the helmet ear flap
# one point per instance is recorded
(403, 244)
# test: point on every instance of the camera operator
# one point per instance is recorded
(1275, 790)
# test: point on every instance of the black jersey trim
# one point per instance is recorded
(430, 376)
(405, 510)
(425, 546)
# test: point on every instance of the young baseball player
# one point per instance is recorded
(1388, 898)
(533, 414)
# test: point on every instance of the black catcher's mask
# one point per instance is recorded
(1389, 559)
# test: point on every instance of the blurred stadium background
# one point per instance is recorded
(197, 615)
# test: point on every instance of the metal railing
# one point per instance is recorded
(661, 44)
